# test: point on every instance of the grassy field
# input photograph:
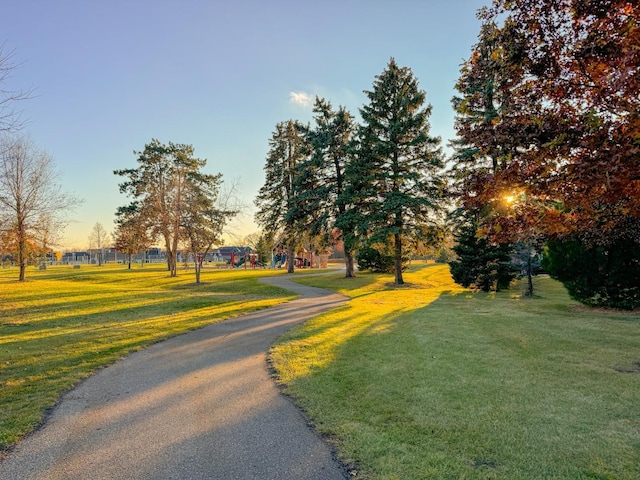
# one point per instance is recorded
(429, 381)
(64, 323)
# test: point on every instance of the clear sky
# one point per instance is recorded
(110, 75)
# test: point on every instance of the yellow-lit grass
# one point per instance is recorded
(375, 304)
(63, 323)
(431, 381)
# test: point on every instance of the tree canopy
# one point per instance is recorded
(551, 96)
(321, 182)
(548, 124)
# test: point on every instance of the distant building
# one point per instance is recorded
(74, 257)
(224, 254)
(156, 255)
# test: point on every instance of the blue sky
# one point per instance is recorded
(111, 75)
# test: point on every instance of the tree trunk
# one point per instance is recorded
(291, 254)
(169, 262)
(174, 254)
(22, 256)
(198, 267)
(172, 259)
(529, 292)
(348, 263)
(398, 259)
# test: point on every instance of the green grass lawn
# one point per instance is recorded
(64, 323)
(430, 381)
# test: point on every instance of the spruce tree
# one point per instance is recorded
(277, 197)
(320, 182)
(394, 177)
(480, 263)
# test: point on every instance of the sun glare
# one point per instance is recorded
(509, 199)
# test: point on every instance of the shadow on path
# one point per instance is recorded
(198, 406)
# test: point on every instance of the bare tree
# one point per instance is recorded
(10, 118)
(98, 239)
(33, 206)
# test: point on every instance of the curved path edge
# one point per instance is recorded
(202, 405)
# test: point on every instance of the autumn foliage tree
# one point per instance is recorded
(569, 70)
(566, 75)
(483, 149)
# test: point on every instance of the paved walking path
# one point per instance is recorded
(198, 406)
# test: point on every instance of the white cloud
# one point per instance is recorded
(301, 98)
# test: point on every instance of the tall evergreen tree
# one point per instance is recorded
(321, 179)
(394, 177)
(276, 198)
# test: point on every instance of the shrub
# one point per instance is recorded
(480, 264)
(599, 276)
(379, 258)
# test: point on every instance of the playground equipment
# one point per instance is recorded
(279, 260)
(244, 259)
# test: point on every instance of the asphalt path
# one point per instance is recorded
(201, 405)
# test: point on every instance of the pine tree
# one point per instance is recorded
(482, 151)
(480, 264)
(321, 179)
(202, 220)
(159, 190)
(394, 177)
(276, 198)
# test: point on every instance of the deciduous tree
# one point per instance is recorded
(10, 118)
(572, 72)
(482, 150)
(551, 96)
(33, 206)
(98, 239)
